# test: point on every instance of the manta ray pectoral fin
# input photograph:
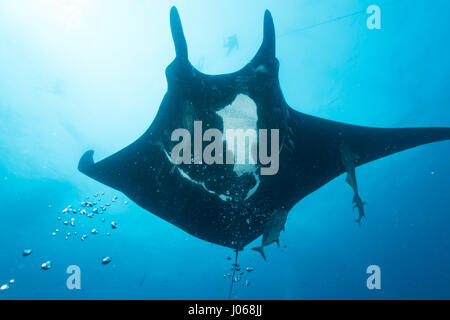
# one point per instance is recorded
(367, 143)
(260, 250)
(327, 137)
(375, 143)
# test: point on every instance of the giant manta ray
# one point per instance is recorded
(219, 203)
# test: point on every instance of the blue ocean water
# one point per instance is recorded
(86, 74)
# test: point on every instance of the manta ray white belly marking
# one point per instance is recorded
(186, 176)
(242, 114)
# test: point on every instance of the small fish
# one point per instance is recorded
(272, 230)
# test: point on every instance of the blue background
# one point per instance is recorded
(68, 84)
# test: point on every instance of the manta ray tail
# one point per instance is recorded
(261, 250)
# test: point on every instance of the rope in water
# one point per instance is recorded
(234, 272)
(383, 4)
(321, 23)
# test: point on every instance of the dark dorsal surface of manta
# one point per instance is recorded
(216, 202)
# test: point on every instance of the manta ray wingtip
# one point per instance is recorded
(86, 161)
